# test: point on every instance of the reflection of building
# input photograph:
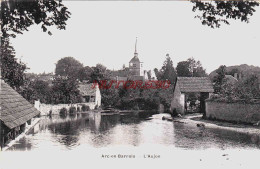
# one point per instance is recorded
(95, 120)
(90, 95)
(16, 113)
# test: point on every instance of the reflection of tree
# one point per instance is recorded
(68, 129)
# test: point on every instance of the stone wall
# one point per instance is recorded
(178, 101)
(235, 112)
(45, 108)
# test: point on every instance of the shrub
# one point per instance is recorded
(85, 108)
(72, 110)
(63, 111)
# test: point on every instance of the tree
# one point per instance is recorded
(100, 72)
(68, 67)
(85, 73)
(214, 13)
(167, 72)
(248, 88)
(183, 69)
(219, 78)
(190, 68)
(65, 90)
(12, 72)
(38, 89)
(18, 15)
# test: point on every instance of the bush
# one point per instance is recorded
(63, 111)
(72, 110)
(85, 108)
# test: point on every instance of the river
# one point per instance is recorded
(96, 130)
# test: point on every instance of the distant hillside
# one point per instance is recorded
(244, 69)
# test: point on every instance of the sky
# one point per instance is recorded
(105, 32)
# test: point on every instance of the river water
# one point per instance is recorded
(96, 130)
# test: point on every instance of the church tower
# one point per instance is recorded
(135, 66)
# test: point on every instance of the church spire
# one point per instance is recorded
(136, 54)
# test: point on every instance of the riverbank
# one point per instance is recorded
(27, 129)
(242, 128)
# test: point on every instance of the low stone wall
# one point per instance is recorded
(45, 108)
(235, 112)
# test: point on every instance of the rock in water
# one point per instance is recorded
(200, 125)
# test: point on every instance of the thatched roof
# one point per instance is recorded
(15, 110)
(86, 89)
(195, 84)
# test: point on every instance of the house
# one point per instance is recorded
(91, 95)
(16, 113)
(184, 85)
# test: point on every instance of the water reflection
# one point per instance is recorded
(97, 130)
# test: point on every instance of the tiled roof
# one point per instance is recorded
(87, 89)
(195, 84)
(15, 110)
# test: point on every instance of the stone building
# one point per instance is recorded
(16, 113)
(184, 85)
(91, 95)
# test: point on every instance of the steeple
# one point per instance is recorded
(135, 54)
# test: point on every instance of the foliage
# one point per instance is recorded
(248, 88)
(38, 89)
(68, 67)
(85, 108)
(63, 111)
(100, 72)
(17, 16)
(183, 69)
(219, 78)
(244, 90)
(167, 72)
(12, 71)
(65, 90)
(214, 13)
(72, 110)
(190, 68)
(84, 74)
(110, 96)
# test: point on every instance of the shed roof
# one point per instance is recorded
(195, 84)
(86, 89)
(15, 110)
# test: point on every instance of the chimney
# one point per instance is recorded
(235, 76)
